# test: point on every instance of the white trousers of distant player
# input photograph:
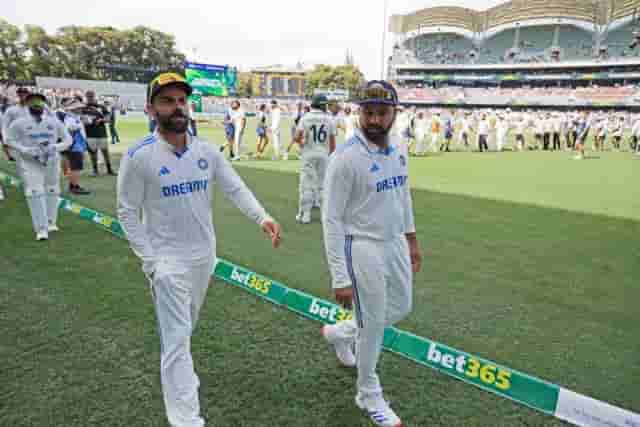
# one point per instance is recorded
(178, 290)
(420, 144)
(275, 140)
(382, 283)
(501, 139)
(42, 190)
(312, 172)
(237, 140)
(435, 147)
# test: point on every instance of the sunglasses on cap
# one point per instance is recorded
(165, 79)
(376, 93)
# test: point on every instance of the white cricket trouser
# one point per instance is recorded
(42, 190)
(275, 139)
(179, 289)
(312, 172)
(382, 282)
(237, 140)
(434, 142)
(420, 145)
(501, 139)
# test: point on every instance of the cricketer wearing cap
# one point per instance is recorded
(370, 241)
(10, 115)
(316, 134)
(166, 179)
(37, 139)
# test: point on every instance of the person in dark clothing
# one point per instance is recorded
(95, 118)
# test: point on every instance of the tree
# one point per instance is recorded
(101, 53)
(327, 77)
(12, 56)
(244, 86)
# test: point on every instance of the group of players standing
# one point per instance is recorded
(490, 130)
(432, 131)
(40, 140)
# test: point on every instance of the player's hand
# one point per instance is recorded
(416, 256)
(272, 228)
(414, 252)
(344, 297)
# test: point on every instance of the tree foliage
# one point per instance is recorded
(328, 77)
(103, 53)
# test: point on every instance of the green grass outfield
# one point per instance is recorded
(531, 260)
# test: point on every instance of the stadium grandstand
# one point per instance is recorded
(525, 44)
(519, 31)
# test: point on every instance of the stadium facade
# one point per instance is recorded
(279, 81)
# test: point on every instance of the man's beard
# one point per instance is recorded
(376, 134)
(36, 112)
(170, 124)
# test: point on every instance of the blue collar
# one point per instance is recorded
(382, 151)
(180, 153)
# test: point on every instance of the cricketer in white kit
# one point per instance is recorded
(370, 242)
(13, 113)
(37, 139)
(316, 134)
(166, 180)
(276, 116)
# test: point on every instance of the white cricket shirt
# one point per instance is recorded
(173, 193)
(30, 137)
(366, 195)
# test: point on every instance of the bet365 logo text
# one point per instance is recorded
(103, 220)
(251, 281)
(332, 313)
(470, 367)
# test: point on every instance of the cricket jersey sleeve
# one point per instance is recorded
(237, 191)
(131, 190)
(338, 184)
(15, 138)
(409, 222)
(64, 137)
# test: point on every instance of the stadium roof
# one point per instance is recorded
(512, 12)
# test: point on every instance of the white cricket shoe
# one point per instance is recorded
(343, 347)
(378, 409)
(42, 235)
(303, 218)
(53, 228)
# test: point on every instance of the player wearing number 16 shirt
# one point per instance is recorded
(316, 134)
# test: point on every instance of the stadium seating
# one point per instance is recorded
(618, 42)
(443, 49)
(495, 48)
(494, 28)
(534, 42)
(533, 96)
(575, 42)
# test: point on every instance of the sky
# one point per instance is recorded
(244, 33)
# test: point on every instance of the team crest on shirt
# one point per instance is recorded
(203, 164)
(403, 160)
